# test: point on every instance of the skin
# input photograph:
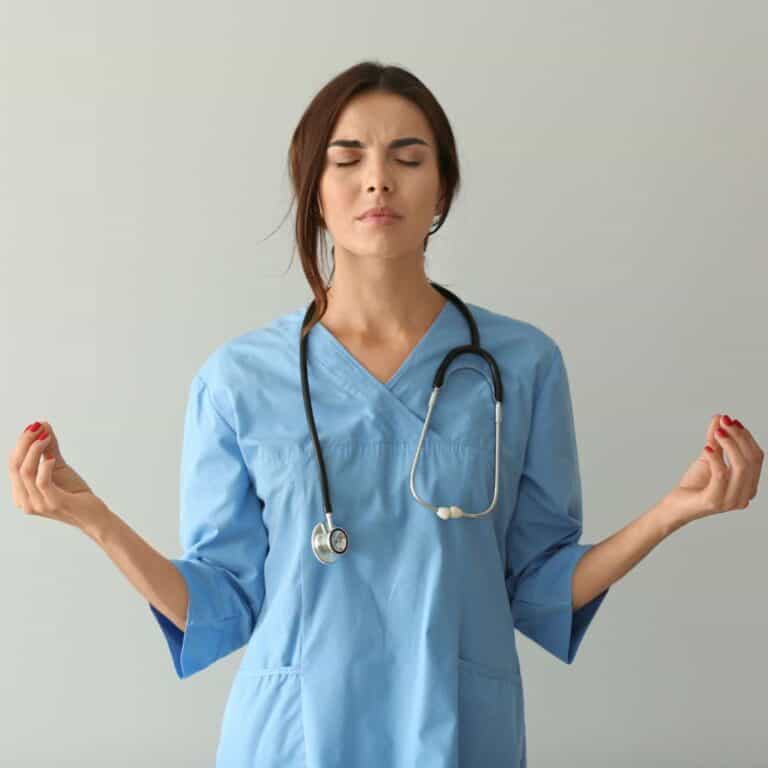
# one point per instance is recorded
(380, 293)
(708, 487)
(50, 487)
(44, 484)
(380, 299)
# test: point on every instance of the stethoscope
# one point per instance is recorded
(329, 542)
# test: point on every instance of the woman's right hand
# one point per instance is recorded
(50, 488)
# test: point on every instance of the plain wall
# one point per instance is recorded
(614, 194)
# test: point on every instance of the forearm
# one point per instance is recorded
(153, 575)
(613, 557)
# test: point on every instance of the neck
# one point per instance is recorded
(383, 299)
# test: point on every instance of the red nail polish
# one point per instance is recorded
(738, 424)
(728, 421)
(33, 427)
(708, 448)
(722, 432)
(42, 435)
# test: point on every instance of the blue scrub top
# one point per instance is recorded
(402, 652)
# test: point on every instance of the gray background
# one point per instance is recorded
(614, 167)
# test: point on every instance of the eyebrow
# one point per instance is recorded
(355, 144)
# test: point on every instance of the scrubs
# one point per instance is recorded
(402, 652)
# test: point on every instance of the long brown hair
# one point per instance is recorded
(306, 158)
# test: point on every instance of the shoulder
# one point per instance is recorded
(242, 366)
(522, 344)
(251, 349)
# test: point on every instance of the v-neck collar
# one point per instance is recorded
(385, 402)
(329, 346)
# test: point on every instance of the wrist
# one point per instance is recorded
(95, 520)
(668, 517)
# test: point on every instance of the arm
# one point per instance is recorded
(609, 560)
(543, 549)
(708, 487)
(153, 575)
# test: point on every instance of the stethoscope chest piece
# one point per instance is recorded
(329, 543)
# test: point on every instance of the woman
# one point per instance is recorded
(390, 643)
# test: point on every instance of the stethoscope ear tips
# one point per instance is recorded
(446, 513)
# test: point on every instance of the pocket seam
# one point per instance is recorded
(265, 672)
(488, 671)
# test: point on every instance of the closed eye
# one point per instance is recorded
(404, 162)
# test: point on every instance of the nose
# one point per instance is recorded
(379, 171)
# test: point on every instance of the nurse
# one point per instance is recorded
(394, 645)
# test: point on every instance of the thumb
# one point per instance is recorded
(51, 493)
(718, 480)
(44, 479)
(698, 473)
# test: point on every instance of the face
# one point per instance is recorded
(355, 178)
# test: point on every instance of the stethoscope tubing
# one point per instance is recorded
(328, 541)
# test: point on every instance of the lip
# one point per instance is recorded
(373, 218)
(380, 213)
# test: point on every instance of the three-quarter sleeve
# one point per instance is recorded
(223, 538)
(543, 535)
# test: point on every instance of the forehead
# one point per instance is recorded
(378, 117)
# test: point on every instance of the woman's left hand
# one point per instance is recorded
(709, 486)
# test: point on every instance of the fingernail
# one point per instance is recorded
(33, 427)
(722, 432)
(727, 420)
(42, 435)
(709, 448)
(738, 424)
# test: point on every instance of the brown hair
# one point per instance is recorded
(307, 157)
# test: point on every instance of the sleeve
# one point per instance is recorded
(223, 538)
(542, 538)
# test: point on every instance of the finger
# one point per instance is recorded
(748, 483)
(737, 435)
(53, 496)
(28, 472)
(714, 492)
(53, 445)
(750, 438)
(15, 461)
(752, 451)
(714, 423)
(44, 480)
(739, 480)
